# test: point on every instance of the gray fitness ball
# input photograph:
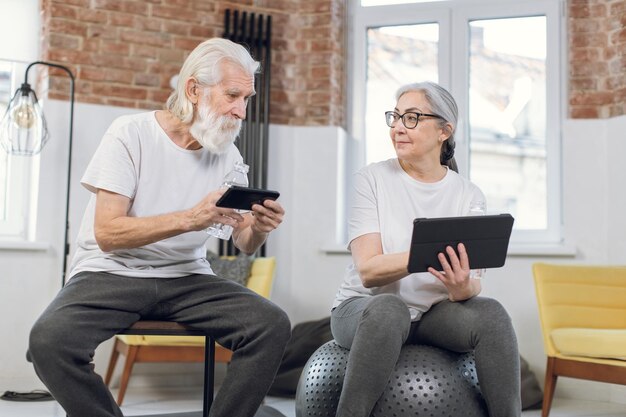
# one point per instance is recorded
(427, 382)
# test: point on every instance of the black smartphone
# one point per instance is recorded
(243, 198)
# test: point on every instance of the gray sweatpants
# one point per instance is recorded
(93, 307)
(375, 328)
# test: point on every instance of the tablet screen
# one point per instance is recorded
(486, 239)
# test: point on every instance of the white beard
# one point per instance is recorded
(215, 133)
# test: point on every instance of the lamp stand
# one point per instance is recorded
(66, 245)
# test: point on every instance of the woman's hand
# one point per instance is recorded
(456, 274)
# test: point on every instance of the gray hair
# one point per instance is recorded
(203, 64)
(441, 103)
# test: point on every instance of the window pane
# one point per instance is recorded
(15, 171)
(5, 97)
(507, 117)
(396, 55)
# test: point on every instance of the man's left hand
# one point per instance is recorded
(267, 216)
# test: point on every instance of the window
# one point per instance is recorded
(15, 171)
(500, 60)
(507, 118)
(18, 174)
(391, 60)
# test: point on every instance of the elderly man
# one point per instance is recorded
(155, 179)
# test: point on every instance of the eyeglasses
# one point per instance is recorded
(409, 119)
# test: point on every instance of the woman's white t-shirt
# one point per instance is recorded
(386, 200)
(138, 160)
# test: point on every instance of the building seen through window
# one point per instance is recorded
(507, 117)
(396, 55)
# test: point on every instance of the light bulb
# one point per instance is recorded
(24, 116)
(23, 129)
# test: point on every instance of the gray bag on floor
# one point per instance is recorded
(267, 411)
(532, 397)
(305, 339)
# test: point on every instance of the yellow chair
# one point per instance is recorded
(582, 310)
(158, 348)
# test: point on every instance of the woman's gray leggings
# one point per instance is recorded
(374, 328)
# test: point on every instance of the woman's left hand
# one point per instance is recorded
(456, 274)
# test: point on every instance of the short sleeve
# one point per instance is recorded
(363, 208)
(113, 166)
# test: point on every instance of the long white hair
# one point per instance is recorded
(203, 64)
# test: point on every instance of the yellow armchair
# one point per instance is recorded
(582, 310)
(138, 348)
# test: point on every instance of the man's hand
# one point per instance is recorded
(205, 213)
(267, 216)
(114, 229)
(249, 235)
(456, 274)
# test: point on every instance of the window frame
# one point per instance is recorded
(20, 198)
(454, 54)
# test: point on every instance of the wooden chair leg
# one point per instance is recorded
(112, 362)
(128, 367)
(549, 386)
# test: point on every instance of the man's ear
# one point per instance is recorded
(192, 90)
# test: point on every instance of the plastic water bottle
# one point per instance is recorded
(477, 207)
(238, 176)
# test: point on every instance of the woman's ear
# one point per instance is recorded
(446, 132)
(192, 90)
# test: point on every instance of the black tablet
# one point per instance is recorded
(243, 198)
(486, 239)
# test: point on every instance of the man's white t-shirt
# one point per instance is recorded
(138, 160)
(386, 200)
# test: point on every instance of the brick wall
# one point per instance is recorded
(308, 75)
(597, 58)
(124, 52)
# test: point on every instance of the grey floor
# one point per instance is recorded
(154, 401)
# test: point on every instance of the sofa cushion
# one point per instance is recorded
(593, 343)
(235, 268)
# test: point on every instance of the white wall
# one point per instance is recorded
(304, 168)
(19, 30)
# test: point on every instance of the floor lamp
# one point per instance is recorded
(23, 131)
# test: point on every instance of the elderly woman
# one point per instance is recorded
(380, 306)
